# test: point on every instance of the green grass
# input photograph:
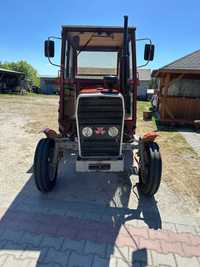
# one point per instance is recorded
(27, 95)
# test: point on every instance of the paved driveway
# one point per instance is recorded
(95, 220)
(193, 139)
(89, 219)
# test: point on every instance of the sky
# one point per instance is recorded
(172, 25)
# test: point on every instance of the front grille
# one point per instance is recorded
(100, 111)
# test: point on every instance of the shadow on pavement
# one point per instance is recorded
(78, 224)
(139, 256)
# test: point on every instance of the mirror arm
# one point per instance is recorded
(140, 66)
(150, 42)
(49, 38)
(144, 39)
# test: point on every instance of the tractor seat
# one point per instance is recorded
(110, 82)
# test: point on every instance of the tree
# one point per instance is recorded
(23, 66)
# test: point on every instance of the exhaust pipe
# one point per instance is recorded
(125, 66)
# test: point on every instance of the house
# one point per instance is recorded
(144, 76)
(49, 84)
(179, 90)
(11, 81)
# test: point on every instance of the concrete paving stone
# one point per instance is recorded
(150, 244)
(140, 223)
(137, 231)
(195, 239)
(74, 214)
(172, 247)
(186, 262)
(32, 263)
(52, 242)
(95, 248)
(34, 253)
(43, 254)
(10, 235)
(57, 257)
(32, 239)
(125, 263)
(90, 234)
(169, 226)
(110, 262)
(197, 228)
(12, 248)
(105, 218)
(190, 250)
(77, 260)
(47, 265)
(2, 229)
(76, 245)
(119, 252)
(2, 244)
(91, 216)
(185, 228)
(164, 259)
(56, 211)
(136, 223)
(3, 259)
(11, 261)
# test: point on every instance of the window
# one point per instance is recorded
(97, 63)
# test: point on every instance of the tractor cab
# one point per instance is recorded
(97, 59)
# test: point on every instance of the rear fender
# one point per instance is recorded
(150, 136)
(51, 134)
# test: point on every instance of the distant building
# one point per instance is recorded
(144, 80)
(49, 84)
(11, 81)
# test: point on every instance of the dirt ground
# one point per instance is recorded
(23, 117)
(180, 162)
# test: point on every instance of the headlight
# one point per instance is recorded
(113, 131)
(87, 131)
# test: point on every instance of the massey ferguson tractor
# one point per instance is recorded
(97, 111)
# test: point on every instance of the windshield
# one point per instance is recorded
(97, 63)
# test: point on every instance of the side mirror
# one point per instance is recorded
(149, 52)
(49, 48)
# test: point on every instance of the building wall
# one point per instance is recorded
(142, 89)
(48, 86)
(185, 87)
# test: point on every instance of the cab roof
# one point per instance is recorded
(97, 37)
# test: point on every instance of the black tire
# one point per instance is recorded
(45, 176)
(150, 177)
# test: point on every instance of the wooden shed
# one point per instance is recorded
(179, 90)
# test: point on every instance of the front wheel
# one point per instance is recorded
(150, 168)
(45, 170)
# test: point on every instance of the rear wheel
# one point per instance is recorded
(150, 168)
(45, 172)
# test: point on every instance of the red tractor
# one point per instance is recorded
(97, 110)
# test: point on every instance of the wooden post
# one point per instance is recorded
(165, 90)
